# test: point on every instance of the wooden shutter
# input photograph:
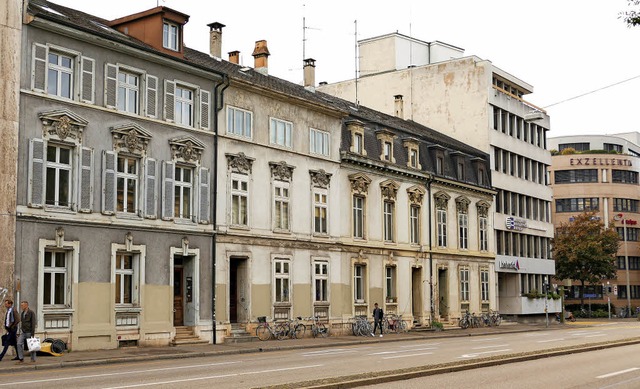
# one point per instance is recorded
(152, 96)
(86, 180)
(36, 173)
(110, 85)
(39, 67)
(168, 169)
(87, 79)
(203, 196)
(169, 100)
(151, 196)
(205, 98)
(108, 182)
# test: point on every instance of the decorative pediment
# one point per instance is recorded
(389, 189)
(483, 208)
(239, 163)
(130, 137)
(462, 204)
(281, 171)
(63, 125)
(416, 194)
(320, 178)
(441, 199)
(359, 183)
(186, 149)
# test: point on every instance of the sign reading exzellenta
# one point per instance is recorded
(514, 223)
(600, 162)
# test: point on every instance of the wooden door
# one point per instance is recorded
(178, 299)
(233, 291)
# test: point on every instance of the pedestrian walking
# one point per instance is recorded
(11, 320)
(27, 328)
(378, 315)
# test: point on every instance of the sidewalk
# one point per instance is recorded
(137, 354)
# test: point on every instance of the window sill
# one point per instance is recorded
(281, 231)
(183, 221)
(57, 311)
(323, 235)
(128, 216)
(50, 208)
(239, 227)
(128, 309)
(320, 303)
(282, 305)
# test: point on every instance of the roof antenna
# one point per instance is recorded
(355, 35)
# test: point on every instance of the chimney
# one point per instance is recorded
(215, 39)
(261, 57)
(234, 57)
(310, 73)
(399, 106)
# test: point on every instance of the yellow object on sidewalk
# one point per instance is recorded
(45, 347)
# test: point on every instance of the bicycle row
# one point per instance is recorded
(486, 319)
(361, 326)
(292, 329)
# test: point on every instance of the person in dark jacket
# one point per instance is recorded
(378, 315)
(11, 320)
(27, 329)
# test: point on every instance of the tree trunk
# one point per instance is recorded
(582, 295)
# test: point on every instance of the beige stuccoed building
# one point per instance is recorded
(477, 103)
(599, 173)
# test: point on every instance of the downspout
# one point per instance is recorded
(218, 99)
(429, 217)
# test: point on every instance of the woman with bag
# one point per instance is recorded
(28, 326)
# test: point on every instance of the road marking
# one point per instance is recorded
(325, 351)
(473, 355)
(485, 340)
(618, 372)
(496, 345)
(419, 345)
(214, 376)
(402, 351)
(406, 355)
(329, 353)
(593, 336)
(118, 373)
(550, 340)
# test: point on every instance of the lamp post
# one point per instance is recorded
(623, 220)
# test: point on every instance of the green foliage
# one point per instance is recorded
(632, 17)
(436, 325)
(584, 250)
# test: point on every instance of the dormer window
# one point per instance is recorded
(357, 143)
(387, 151)
(386, 143)
(413, 155)
(460, 165)
(357, 137)
(170, 36)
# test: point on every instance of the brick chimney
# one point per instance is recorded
(261, 57)
(309, 73)
(399, 106)
(234, 57)
(215, 39)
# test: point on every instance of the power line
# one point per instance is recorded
(593, 91)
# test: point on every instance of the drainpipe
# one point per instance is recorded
(218, 99)
(431, 310)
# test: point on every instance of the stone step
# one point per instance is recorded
(241, 339)
(180, 342)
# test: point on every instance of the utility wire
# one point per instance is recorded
(593, 91)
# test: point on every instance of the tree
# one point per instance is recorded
(632, 18)
(585, 251)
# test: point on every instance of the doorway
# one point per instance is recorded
(416, 293)
(443, 295)
(238, 290)
(178, 292)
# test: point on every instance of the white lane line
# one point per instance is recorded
(419, 345)
(492, 346)
(329, 354)
(214, 376)
(550, 340)
(406, 355)
(485, 340)
(615, 373)
(473, 355)
(593, 336)
(402, 351)
(325, 351)
(115, 374)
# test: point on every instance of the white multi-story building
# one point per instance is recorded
(475, 102)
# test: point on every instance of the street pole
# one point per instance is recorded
(626, 263)
(546, 300)
(608, 301)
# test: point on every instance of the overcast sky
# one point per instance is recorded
(564, 48)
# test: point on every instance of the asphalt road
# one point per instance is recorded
(277, 368)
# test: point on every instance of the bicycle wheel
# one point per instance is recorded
(464, 323)
(262, 332)
(386, 327)
(401, 326)
(322, 330)
(282, 331)
(498, 320)
(299, 331)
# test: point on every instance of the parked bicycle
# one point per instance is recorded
(495, 318)
(393, 323)
(360, 326)
(318, 328)
(266, 331)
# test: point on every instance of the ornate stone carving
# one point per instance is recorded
(483, 208)
(320, 178)
(239, 163)
(416, 195)
(187, 149)
(281, 171)
(462, 204)
(128, 241)
(185, 246)
(389, 189)
(441, 199)
(359, 183)
(131, 138)
(63, 125)
(59, 237)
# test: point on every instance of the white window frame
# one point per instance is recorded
(321, 287)
(58, 167)
(123, 104)
(358, 143)
(232, 113)
(50, 272)
(239, 193)
(360, 283)
(387, 150)
(182, 186)
(413, 158)
(463, 231)
(358, 217)
(414, 224)
(484, 285)
(126, 177)
(170, 36)
(391, 282)
(464, 283)
(185, 105)
(281, 206)
(483, 231)
(320, 211)
(282, 274)
(319, 142)
(59, 69)
(441, 222)
(388, 221)
(275, 126)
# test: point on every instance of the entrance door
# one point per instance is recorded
(233, 291)
(443, 295)
(238, 290)
(178, 299)
(416, 293)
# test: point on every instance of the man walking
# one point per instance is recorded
(27, 328)
(11, 320)
(377, 319)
